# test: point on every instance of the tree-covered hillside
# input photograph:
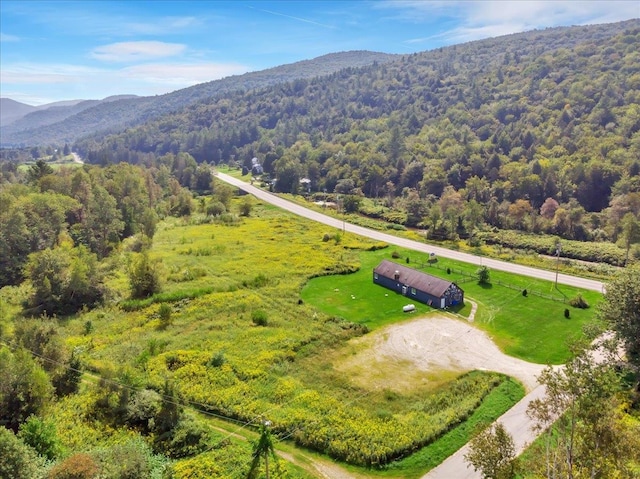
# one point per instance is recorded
(532, 131)
(115, 116)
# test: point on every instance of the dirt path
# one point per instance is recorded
(474, 309)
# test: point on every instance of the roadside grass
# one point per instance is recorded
(495, 404)
(530, 327)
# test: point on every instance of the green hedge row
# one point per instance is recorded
(599, 252)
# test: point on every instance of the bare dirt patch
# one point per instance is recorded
(427, 351)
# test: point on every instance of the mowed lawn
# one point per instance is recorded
(531, 327)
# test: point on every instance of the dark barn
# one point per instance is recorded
(436, 292)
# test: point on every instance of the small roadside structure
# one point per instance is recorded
(436, 292)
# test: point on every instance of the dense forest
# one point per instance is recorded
(537, 132)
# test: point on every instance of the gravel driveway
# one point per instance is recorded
(437, 343)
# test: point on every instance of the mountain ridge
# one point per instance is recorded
(117, 115)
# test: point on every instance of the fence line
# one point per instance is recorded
(471, 277)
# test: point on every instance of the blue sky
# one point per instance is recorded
(63, 50)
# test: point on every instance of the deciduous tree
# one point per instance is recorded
(621, 310)
(492, 452)
(583, 433)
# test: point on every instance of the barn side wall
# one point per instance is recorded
(396, 286)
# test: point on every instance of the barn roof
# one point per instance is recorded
(413, 278)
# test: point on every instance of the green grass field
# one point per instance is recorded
(532, 328)
(65, 161)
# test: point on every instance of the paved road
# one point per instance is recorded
(410, 244)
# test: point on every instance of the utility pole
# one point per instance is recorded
(558, 250)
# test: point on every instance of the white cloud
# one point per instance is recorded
(44, 83)
(136, 51)
(490, 18)
(182, 74)
(161, 26)
(27, 73)
(5, 37)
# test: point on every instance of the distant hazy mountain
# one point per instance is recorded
(53, 113)
(65, 126)
(11, 110)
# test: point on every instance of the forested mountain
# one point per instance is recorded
(513, 123)
(116, 115)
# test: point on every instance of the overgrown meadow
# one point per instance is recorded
(250, 312)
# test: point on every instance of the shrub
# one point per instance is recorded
(217, 360)
(144, 277)
(246, 206)
(524, 293)
(567, 313)
(17, 460)
(88, 327)
(68, 381)
(395, 255)
(484, 277)
(188, 438)
(131, 460)
(142, 409)
(258, 282)
(41, 436)
(259, 317)
(579, 302)
(78, 466)
(165, 315)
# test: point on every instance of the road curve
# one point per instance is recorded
(498, 265)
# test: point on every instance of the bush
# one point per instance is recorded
(484, 276)
(132, 460)
(78, 466)
(88, 327)
(41, 436)
(217, 360)
(142, 409)
(395, 255)
(259, 317)
(567, 313)
(579, 302)
(525, 293)
(246, 206)
(17, 460)
(598, 252)
(188, 438)
(165, 315)
(144, 277)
